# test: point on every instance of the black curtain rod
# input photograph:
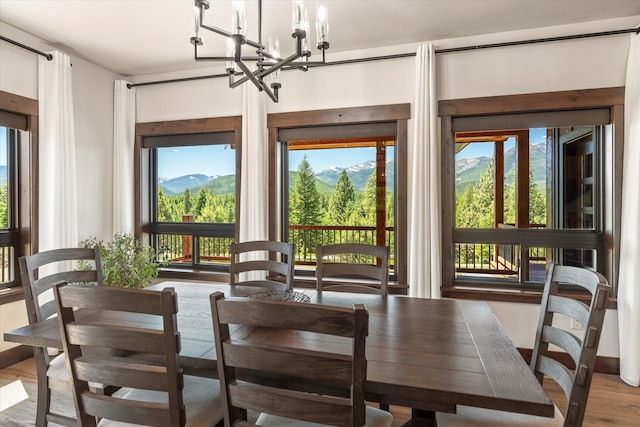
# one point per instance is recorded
(15, 43)
(405, 55)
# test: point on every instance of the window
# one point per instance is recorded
(528, 188)
(18, 187)
(339, 191)
(8, 218)
(338, 177)
(190, 191)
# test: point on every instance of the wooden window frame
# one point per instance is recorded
(611, 99)
(397, 114)
(142, 190)
(26, 197)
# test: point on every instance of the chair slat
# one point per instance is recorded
(307, 407)
(573, 308)
(315, 365)
(565, 340)
(129, 411)
(125, 373)
(558, 372)
(306, 317)
(136, 301)
(81, 276)
(113, 336)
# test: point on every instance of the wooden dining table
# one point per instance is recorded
(427, 354)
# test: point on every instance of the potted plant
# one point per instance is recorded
(126, 262)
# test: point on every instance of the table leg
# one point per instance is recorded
(421, 418)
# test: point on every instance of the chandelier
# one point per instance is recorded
(268, 62)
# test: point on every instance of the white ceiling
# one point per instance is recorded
(135, 37)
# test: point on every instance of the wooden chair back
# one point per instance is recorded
(278, 264)
(140, 354)
(278, 377)
(574, 381)
(37, 286)
(352, 262)
(35, 283)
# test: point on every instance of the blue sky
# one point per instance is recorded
(220, 159)
(3, 146)
(536, 136)
(174, 162)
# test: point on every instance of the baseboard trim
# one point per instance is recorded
(604, 364)
(14, 355)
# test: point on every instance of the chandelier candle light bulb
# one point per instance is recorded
(267, 62)
(322, 25)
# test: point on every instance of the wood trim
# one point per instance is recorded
(563, 100)
(176, 127)
(377, 113)
(8, 295)
(402, 198)
(15, 355)
(518, 295)
(27, 197)
(18, 104)
(604, 364)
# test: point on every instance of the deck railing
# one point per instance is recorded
(492, 258)
(180, 248)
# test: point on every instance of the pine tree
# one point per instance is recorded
(342, 201)
(305, 200)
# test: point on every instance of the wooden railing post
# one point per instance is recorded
(187, 240)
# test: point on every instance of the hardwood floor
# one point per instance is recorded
(611, 402)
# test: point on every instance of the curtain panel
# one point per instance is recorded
(628, 285)
(58, 206)
(124, 128)
(424, 183)
(253, 175)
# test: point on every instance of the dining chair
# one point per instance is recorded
(39, 272)
(288, 381)
(273, 259)
(351, 263)
(574, 381)
(129, 338)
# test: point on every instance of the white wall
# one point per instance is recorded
(93, 116)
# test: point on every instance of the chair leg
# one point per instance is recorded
(43, 399)
(384, 407)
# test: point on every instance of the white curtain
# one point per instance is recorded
(628, 284)
(124, 124)
(424, 183)
(254, 175)
(58, 206)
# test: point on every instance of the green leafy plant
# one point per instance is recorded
(126, 262)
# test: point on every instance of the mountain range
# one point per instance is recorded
(468, 171)
(326, 180)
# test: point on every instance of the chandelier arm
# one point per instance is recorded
(272, 95)
(248, 74)
(276, 66)
(228, 35)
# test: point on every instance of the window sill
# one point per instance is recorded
(526, 296)
(8, 295)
